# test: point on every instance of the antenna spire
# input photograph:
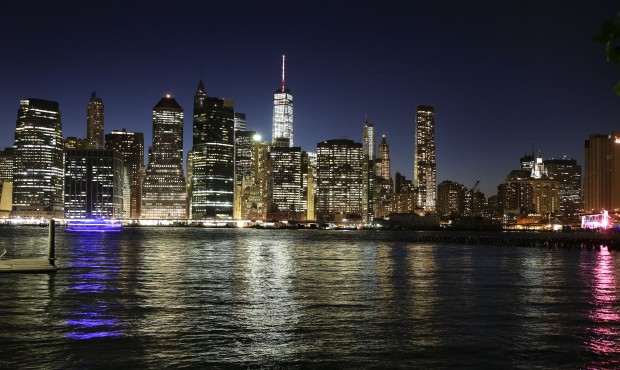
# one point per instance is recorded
(283, 72)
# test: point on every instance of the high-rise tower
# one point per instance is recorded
(164, 190)
(368, 171)
(94, 123)
(38, 162)
(601, 179)
(282, 111)
(213, 157)
(383, 186)
(424, 165)
(131, 146)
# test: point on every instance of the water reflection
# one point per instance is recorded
(98, 267)
(604, 335)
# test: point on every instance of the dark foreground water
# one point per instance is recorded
(209, 298)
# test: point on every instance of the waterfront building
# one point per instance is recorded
(368, 171)
(213, 148)
(285, 182)
(94, 182)
(131, 146)
(6, 182)
(568, 172)
(239, 121)
(38, 160)
(530, 192)
(339, 180)
(282, 124)
(244, 143)
(602, 173)
(383, 181)
(254, 197)
(308, 169)
(424, 166)
(94, 123)
(450, 198)
(164, 190)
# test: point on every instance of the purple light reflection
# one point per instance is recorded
(604, 335)
(86, 336)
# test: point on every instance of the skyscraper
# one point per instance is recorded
(6, 182)
(602, 173)
(368, 169)
(213, 154)
(239, 121)
(424, 165)
(383, 186)
(94, 123)
(131, 146)
(568, 172)
(285, 183)
(93, 183)
(339, 180)
(38, 162)
(283, 112)
(164, 190)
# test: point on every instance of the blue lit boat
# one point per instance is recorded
(94, 225)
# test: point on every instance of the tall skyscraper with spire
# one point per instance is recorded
(213, 157)
(424, 162)
(94, 123)
(38, 160)
(164, 190)
(283, 111)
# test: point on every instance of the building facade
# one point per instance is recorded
(285, 177)
(602, 173)
(131, 146)
(94, 182)
(164, 193)
(282, 124)
(450, 198)
(368, 171)
(424, 160)
(38, 160)
(213, 152)
(568, 172)
(339, 180)
(94, 123)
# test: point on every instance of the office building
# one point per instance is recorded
(94, 123)
(424, 166)
(253, 200)
(568, 172)
(601, 179)
(213, 152)
(285, 183)
(282, 127)
(368, 171)
(450, 198)
(131, 146)
(383, 181)
(93, 184)
(38, 160)
(164, 193)
(239, 121)
(6, 182)
(339, 180)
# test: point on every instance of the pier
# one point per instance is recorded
(33, 264)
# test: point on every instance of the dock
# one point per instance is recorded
(33, 264)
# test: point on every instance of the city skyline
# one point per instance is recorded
(525, 72)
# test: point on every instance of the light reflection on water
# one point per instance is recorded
(220, 297)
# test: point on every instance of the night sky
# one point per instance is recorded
(503, 75)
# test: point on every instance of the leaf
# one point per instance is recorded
(617, 88)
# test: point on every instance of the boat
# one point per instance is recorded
(94, 225)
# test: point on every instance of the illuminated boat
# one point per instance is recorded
(94, 225)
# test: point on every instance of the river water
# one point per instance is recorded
(220, 298)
